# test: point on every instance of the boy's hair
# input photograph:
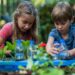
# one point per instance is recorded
(62, 12)
(26, 7)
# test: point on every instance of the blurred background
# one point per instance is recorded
(44, 7)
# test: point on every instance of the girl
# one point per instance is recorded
(24, 25)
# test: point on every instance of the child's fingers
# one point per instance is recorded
(51, 52)
(56, 49)
(56, 44)
(55, 52)
(8, 52)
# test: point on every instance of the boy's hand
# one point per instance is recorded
(53, 50)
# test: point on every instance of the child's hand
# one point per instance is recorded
(53, 50)
(8, 52)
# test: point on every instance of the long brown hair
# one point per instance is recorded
(27, 8)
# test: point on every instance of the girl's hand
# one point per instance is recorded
(8, 52)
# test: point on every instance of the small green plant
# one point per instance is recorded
(35, 65)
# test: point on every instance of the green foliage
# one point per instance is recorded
(51, 2)
(46, 68)
(10, 46)
(1, 53)
(46, 23)
(26, 44)
(38, 3)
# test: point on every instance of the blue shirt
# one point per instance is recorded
(70, 41)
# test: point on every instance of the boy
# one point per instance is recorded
(62, 15)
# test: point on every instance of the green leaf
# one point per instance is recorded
(21, 67)
(1, 53)
(5, 49)
(26, 43)
(9, 45)
(56, 71)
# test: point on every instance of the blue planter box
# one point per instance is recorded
(6, 66)
(64, 62)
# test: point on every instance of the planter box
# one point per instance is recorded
(64, 62)
(8, 66)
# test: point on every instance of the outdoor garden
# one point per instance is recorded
(32, 53)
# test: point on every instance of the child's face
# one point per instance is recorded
(25, 22)
(62, 26)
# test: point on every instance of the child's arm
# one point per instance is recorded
(71, 52)
(50, 47)
(5, 32)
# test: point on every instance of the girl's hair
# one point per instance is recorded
(62, 12)
(27, 8)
